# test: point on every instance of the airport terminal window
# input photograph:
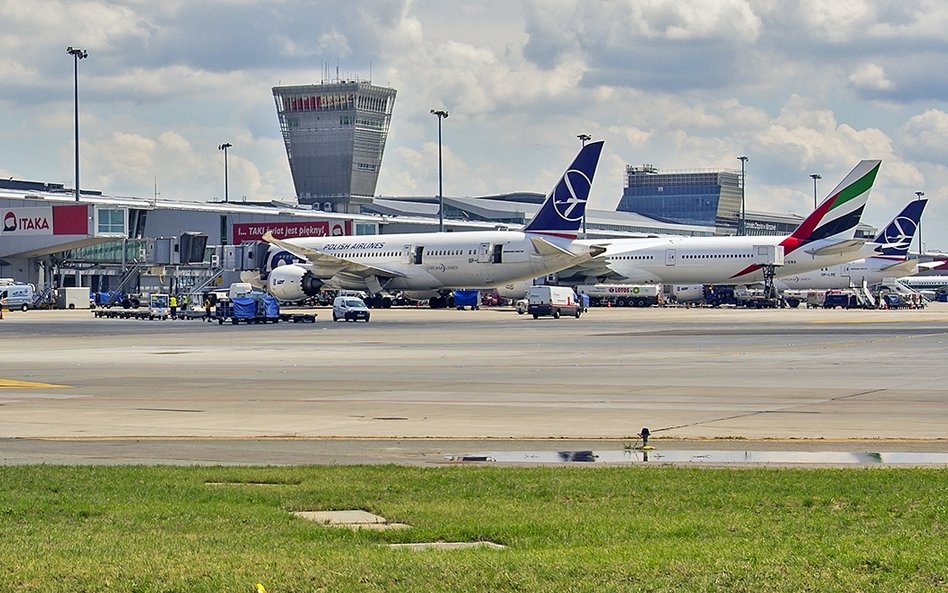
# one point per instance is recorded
(111, 220)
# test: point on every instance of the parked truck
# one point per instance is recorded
(553, 300)
(622, 295)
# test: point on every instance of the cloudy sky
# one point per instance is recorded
(799, 87)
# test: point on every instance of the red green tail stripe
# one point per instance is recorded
(850, 192)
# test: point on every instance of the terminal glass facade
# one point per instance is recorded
(709, 198)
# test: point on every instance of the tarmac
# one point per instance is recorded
(423, 386)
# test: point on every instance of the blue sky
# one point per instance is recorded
(799, 87)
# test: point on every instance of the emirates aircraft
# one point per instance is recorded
(428, 265)
(824, 238)
(891, 262)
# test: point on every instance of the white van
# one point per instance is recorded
(349, 308)
(17, 296)
(553, 300)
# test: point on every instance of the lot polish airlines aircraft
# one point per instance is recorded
(894, 241)
(825, 237)
(424, 265)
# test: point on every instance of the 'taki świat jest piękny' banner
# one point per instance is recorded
(45, 221)
(253, 231)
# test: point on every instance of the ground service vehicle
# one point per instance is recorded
(19, 296)
(467, 298)
(553, 300)
(72, 297)
(752, 298)
(622, 295)
(350, 309)
(158, 306)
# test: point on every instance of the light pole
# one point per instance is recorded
(814, 177)
(584, 138)
(77, 55)
(921, 248)
(441, 114)
(743, 230)
(224, 147)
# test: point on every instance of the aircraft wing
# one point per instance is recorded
(902, 268)
(929, 265)
(544, 247)
(840, 248)
(326, 265)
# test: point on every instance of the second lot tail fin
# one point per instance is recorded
(563, 209)
(838, 215)
(897, 237)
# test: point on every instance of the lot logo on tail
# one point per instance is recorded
(900, 233)
(563, 209)
(570, 194)
(896, 238)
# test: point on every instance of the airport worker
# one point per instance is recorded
(207, 308)
(173, 304)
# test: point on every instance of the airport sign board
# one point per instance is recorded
(254, 231)
(45, 221)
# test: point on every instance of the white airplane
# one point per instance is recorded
(894, 241)
(928, 286)
(425, 265)
(825, 237)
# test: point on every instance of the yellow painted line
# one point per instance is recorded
(13, 383)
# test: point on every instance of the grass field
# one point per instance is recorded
(147, 529)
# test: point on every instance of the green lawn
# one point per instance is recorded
(567, 529)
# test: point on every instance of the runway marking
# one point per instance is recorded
(13, 383)
(791, 409)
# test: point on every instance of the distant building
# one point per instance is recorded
(708, 198)
(334, 135)
(705, 197)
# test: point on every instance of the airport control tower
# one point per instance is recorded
(334, 134)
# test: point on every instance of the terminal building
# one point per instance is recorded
(703, 197)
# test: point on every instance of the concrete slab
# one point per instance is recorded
(352, 519)
(447, 546)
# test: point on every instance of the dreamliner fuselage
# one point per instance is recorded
(433, 261)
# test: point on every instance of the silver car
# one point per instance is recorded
(350, 309)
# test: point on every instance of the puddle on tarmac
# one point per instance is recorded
(722, 457)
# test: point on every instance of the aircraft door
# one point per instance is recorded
(484, 254)
(413, 254)
(846, 271)
(498, 257)
(670, 257)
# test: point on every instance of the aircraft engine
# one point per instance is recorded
(292, 283)
(515, 290)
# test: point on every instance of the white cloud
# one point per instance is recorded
(872, 77)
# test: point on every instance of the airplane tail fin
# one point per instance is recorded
(563, 209)
(896, 238)
(838, 215)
